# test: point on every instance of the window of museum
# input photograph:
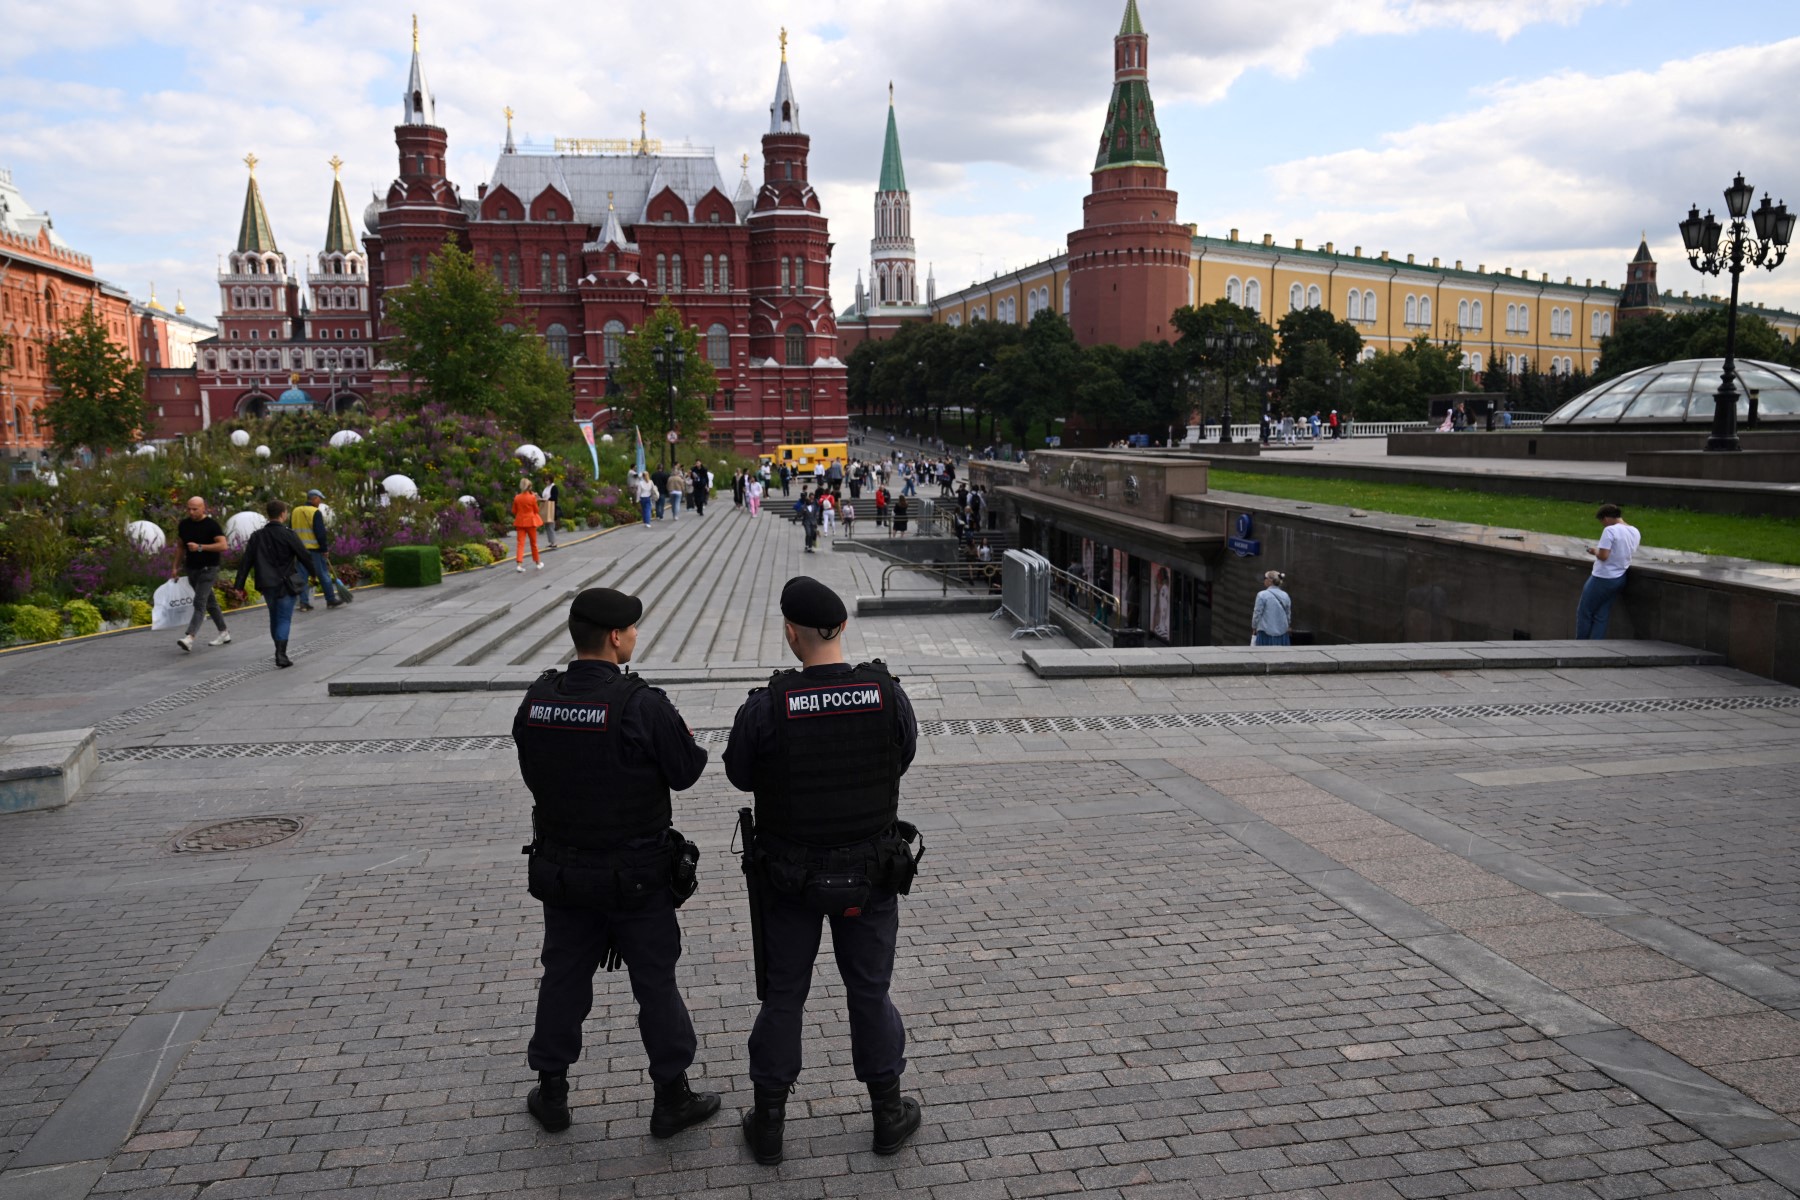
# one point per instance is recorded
(544, 270)
(499, 277)
(557, 339)
(1412, 310)
(1252, 295)
(796, 346)
(1313, 297)
(805, 398)
(799, 437)
(706, 273)
(675, 274)
(724, 274)
(785, 276)
(787, 400)
(1475, 315)
(612, 342)
(718, 346)
(1368, 305)
(662, 273)
(1295, 298)
(562, 272)
(1425, 311)
(512, 271)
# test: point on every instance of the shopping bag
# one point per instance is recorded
(172, 605)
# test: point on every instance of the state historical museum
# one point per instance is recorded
(591, 238)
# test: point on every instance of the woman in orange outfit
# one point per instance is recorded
(525, 523)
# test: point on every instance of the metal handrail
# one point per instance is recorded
(1078, 594)
(967, 572)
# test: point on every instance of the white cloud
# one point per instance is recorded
(1563, 174)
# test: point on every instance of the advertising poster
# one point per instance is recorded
(1121, 565)
(1087, 559)
(1159, 600)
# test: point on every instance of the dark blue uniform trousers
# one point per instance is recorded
(864, 949)
(649, 941)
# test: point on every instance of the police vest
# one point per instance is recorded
(302, 522)
(834, 776)
(590, 791)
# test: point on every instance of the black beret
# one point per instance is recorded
(810, 604)
(607, 608)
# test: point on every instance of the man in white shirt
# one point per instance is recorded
(1612, 558)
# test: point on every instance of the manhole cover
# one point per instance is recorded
(245, 833)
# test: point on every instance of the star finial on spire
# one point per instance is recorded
(250, 160)
(415, 32)
(609, 202)
(337, 166)
(784, 43)
(890, 93)
(509, 116)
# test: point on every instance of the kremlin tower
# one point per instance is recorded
(1129, 261)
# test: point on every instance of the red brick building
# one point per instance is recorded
(594, 234)
(43, 284)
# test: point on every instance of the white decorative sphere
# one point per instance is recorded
(345, 437)
(145, 451)
(240, 526)
(240, 438)
(49, 477)
(146, 536)
(467, 501)
(400, 487)
(530, 454)
(607, 438)
(262, 452)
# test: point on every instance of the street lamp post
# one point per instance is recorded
(1229, 343)
(671, 360)
(1701, 236)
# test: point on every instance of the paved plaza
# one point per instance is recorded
(1409, 934)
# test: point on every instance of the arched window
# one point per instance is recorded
(1475, 362)
(796, 346)
(675, 273)
(612, 342)
(237, 300)
(1353, 305)
(786, 276)
(662, 272)
(1424, 310)
(268, 298)
(954, 320)
(1462, 316)
(1313, 296)
(1475, 315)
(556, 338)
(499, 275)
(1065, 306)
(1512, 317)
(718, 346)
(724, 273)
(512, 271)
(1512, 364)
(1234, 290)
(706, 273)
(1412, 310)
(1524, 319)
(1368, 305)
(1295, 297)
(562, 272)
(544, 269)
(1252, 295)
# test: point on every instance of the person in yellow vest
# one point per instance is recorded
(309, 525)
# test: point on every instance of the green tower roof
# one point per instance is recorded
(1131, 137)
(255, 236)
(1131, 23)
(340, 234)
(893, 175)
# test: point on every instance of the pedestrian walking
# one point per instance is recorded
(308, 524)
(881, 506)
(700, 484)
(1612, 558)
(1273, 616)
(549, 501)
(827, 511)
(1332, 421)
(278, 559)
(809, 520)
(525, 523)
(898, 528)
(847, 515)
(643, 490)
(753, 494)
(823, 749)
(601, 751)
(739, 480)
(199, 541)
(660, 477)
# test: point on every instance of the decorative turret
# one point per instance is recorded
(255, 235)
(508, 148)
(1640, 296)
(784, 111)
(893, 273)
(419, 107)
(340, 232)
(1129, 262)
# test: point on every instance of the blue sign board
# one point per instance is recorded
(1243, 545)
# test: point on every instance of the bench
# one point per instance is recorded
(45, 770)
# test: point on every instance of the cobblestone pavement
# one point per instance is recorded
(1550, 951)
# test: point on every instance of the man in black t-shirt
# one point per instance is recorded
(199, 540)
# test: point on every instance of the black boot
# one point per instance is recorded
(549, 1100)
(678, 1106)
(763, 1124)
(281, 658)
(896, 1116)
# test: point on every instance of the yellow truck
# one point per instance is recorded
(802, 458)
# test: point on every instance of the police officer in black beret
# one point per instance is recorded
(823, 749)
(601, 751)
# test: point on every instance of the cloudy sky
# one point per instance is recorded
(1542, 135)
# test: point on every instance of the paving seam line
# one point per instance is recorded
(1689, 1095)
(96, 1119)
(1733, 968)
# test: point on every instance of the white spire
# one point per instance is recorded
(784, 113)
(417, 104)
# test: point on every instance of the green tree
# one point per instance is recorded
(646, 389)
(1304, 325)
(1193, 324)
(1316, 378)
(1036, 379)
(97, 395)
(453, 342)
(1644, 341)
(1389, 390)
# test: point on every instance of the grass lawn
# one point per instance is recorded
(1769, 539)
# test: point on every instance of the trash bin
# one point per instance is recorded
(1128, 639)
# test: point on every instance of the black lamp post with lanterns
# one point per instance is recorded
(1702, 236)
(671, 360)
(1228, 344)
